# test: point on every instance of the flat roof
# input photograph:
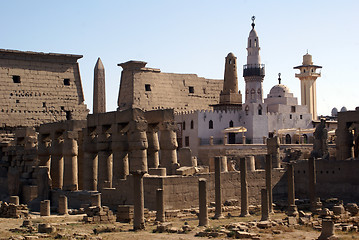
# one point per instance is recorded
(61, 55)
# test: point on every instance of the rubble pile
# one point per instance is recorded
(10, 210)
(97, 214)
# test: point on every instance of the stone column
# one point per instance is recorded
(43, 150)
(119, 153)
(90, 160)
(104, 158)
(211, 142)
(251, 163)
(327, 230)
(43, 182)
(138, 201)
(273, 149)
(57, 163)
(217, 186)
(62, 208)
(225, 139)
(223, 163)
(137, 145)
(203, 211)
(153, 159)
(292, 208)
(264, 205)
(14, 199)
(269, 181)
(160, 207)
(312, 181)
(45, 208)
(168, 145)
(96, 200)
(244, 188)
(70, 152)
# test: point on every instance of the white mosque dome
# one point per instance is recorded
(279, 90)
(334, 112)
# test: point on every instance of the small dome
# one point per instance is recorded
(307, 59)
(334, 112)
(344, 109)
(231, 55)
(253, 33)
(279, 90)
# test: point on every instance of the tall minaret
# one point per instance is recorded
(307, 77)
(253, 72)
(230, 94)
(99, 95)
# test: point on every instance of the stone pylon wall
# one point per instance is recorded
(39, 88)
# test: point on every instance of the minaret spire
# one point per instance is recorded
(230, 94)
(253, 71)
(279, 79)
(308, 77)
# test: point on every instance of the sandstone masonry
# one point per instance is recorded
(39, 88)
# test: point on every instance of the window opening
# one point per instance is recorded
(210, 124)
(231, 123)
(186, 141)
(191, 89)
(148, 87)
(67, 82)
(16, 79)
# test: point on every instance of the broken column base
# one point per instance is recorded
(292, 210)
(327, 230)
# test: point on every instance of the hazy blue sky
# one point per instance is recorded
(189, 36)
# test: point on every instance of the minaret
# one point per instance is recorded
(230, 94)
(307, 77)
(99, 92)
(253, 72)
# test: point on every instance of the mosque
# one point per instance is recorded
(233, 122)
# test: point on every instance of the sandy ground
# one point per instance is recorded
(71, 227)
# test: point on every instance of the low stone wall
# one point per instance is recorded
(338, 179)
(182, 191)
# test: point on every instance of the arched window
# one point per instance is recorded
(255, 42)
(231, 123)
(210, 124)
(230, 61)
(246, 109)
(252, 93)
(191, 124)
(305, 138)
(184, 125)
(288, 139)
(259, 110)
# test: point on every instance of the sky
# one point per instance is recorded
(195, 36)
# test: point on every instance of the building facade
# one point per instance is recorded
(39, 88)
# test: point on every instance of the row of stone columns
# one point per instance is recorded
(130, 147)
(60, 154)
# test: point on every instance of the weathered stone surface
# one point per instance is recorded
(42, 87)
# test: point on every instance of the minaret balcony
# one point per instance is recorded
(308, 74)
(253, 70)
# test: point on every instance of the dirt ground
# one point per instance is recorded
(72, 227)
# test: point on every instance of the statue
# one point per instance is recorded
(320, 145)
